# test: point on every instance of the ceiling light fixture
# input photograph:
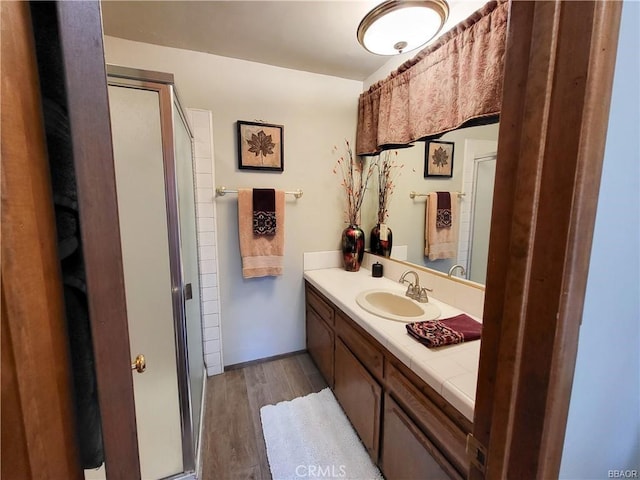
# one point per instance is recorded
(399, 26)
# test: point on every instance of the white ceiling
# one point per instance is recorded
(313, 36)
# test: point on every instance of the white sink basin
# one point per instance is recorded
(396, 306)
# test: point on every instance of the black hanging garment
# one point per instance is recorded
(65, 199)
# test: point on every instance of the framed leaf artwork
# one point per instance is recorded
(438, 159)
(260, 146)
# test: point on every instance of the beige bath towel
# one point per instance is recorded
(440, 242)
(262, 255)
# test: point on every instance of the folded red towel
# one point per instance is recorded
(458, 329)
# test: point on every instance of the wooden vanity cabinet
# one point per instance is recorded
(407, 427)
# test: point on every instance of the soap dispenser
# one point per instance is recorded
(376, 270)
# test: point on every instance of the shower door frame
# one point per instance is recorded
(487, 157)
(163, 84)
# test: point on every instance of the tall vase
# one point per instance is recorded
(381, 240)
(352, 247)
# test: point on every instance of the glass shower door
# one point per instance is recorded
(189, 254)
(156, 204)
(142, 200)
(484, 179)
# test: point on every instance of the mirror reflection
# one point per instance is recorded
(473, 172)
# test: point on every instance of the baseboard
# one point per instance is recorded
(262, 360)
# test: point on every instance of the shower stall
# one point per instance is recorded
(484, 174)
(153, 157)
(478, 178)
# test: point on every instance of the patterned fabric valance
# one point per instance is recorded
(452, 83)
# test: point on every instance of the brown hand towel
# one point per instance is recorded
(262, 255)
(264, 211)
(458, 329)
(443, 210)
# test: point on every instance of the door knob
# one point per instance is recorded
(139, 364)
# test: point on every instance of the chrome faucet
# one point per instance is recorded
(452, 269)
(413, 290)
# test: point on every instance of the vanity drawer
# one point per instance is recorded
(321, 307)
(438, 427)
(370, 356)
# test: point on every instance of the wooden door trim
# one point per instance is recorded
(88, 106)
(553, 125)
(38, 434)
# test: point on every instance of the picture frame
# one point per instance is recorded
(260, 146)
(438, 159)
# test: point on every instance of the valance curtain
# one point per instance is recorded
(452, 83)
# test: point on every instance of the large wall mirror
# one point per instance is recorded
(474, 162)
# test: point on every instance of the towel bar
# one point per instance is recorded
(222, 191)
(415, 194)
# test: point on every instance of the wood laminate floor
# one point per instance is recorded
(233, 446)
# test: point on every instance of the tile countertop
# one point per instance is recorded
(452, 370)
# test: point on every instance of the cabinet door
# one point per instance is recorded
(360, 397)
(320, 344)
(406, 452)
(450, 438)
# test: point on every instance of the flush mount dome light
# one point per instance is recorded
(398, 26)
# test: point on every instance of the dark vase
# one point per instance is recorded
(379, 244)
(352, 247)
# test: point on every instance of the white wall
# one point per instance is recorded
(263, 317)
(603, 430)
